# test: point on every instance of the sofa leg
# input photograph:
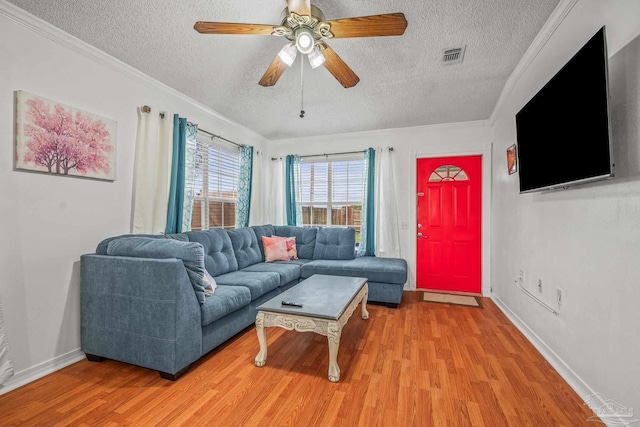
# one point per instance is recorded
(173, 377)
(94, 358)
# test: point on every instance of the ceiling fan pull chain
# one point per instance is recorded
(301, 87)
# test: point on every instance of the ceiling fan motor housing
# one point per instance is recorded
(304, 31)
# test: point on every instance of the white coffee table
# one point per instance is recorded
(327, 305)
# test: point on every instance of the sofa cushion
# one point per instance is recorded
(300, 262)
(219, 257)
(191, 254)
(288, 271)
(101, 249)
(245, 246)
(335, 243)
(383, 270)
(225, 300)
(262, 230)
(258, 283)
(305, 238)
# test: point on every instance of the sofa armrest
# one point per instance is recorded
(141, 311)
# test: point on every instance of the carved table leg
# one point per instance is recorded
(365, 313)
(261, 358)
(334, 331)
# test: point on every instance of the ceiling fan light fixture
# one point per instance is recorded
(288, 54)
(304, 40)
(316, 58)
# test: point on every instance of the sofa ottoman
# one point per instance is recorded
(386, 276)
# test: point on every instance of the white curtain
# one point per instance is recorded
(6, 367)
(190, 166)
(259, 190)
(386, 210)
(154, 145)
(275, 198)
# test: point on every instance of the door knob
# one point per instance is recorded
(419, 225)
(419, 234)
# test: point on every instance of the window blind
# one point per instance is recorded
(215, 187)
(332, 192)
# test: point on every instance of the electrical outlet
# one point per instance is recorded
(404, 225)
(539, 285)
(560, 297)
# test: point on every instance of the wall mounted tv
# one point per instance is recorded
(564, 132)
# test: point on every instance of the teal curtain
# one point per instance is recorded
(176, 186)
(293, 208)
(243, 205)
(367, 236)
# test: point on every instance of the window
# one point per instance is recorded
(331, 193)
(448, 173)
(217, 170)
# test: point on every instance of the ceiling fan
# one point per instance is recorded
(304, 27)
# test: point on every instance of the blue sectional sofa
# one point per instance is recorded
(143, 297)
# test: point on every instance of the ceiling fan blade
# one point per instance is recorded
(390, 24)
(231, 28)
(301, 7)
(338, 68)
(273, 73)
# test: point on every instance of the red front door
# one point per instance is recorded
(448, 229)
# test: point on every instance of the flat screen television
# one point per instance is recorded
(564, 132)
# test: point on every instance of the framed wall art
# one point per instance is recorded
(512, 159)
(58, 139)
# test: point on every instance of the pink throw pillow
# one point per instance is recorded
(291, 247)
(209, 284)
(275, 249)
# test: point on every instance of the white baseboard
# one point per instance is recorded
(596, 401)
(40, 370)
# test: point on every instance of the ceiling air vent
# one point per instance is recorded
(453, 56)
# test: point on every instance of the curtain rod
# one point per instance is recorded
(331, 154)
(212, 135)
(147, 109)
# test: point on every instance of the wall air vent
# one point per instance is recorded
(453, 55)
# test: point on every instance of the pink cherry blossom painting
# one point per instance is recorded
(57, 139)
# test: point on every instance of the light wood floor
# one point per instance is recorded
(423, 364)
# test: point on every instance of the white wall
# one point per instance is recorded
(47, 222)
(409, 144)
(586, 239)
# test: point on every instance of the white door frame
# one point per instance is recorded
(486, 212)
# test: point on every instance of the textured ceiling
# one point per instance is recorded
(402, 79)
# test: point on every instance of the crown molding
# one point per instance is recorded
(549, 28)
(21, 17)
